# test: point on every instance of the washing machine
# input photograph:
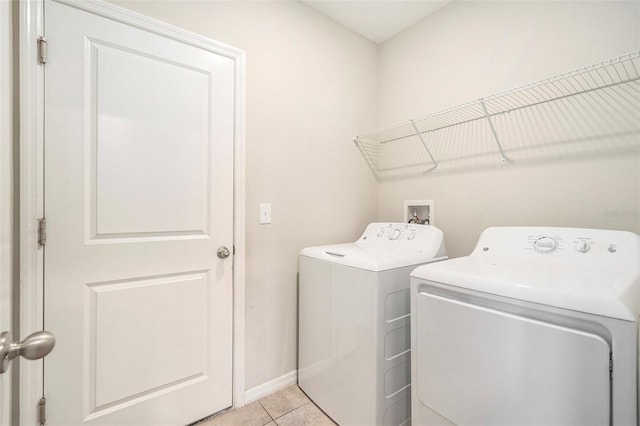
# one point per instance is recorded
(353, 333)
(538, 326)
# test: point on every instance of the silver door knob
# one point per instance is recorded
(223, 252)
(35, 346)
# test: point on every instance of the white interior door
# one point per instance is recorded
(139, 131)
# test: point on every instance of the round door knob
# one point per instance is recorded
(223, 252)
(35, 346)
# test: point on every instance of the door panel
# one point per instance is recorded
(118, 311)
(138, 197)
(128, 191)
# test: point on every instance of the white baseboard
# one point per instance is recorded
(270, 387)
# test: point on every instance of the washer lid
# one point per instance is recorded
(371, 258)
(602, 280)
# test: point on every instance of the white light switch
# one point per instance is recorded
(265, 213)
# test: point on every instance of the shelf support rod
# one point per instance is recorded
(370, 160)
(435, 163)
(503, 158)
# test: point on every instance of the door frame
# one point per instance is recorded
(31, 15)
(6, 195)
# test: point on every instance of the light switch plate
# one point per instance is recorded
(265, 213)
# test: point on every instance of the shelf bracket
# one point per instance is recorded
(435, 163)
(503, 158)
(370, 160)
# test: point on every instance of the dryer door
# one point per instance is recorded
(479, 366)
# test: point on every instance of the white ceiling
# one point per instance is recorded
(378, 20)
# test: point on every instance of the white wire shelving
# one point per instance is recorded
(593, 110)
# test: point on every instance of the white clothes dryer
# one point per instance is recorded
(538, 326)
(353, 332)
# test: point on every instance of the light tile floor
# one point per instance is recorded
(288, 407)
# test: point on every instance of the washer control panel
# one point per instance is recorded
(399, 234)
(394, 231)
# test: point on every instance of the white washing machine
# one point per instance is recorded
(353, 334)
(538, 326)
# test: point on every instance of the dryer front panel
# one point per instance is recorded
(480, 366)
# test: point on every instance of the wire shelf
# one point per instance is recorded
(594, 110)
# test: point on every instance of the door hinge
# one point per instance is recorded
(610, 364)
(42, 408)
(42, 232)
(42, 50)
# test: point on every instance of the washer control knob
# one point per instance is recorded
(381, 233)
(411, 236)
(394, 234)
(612, 248)
(583, 246)
(545, 245)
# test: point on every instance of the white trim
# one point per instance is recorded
(239, 238)
(6, 194)
(31, 181)
(31, 200)
(143, 22)
(272, 386)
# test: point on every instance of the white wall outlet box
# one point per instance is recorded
(265, 213)
(419, 211)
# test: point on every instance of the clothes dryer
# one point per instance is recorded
(538, 326)
(353, 332)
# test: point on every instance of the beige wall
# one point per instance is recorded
(311, 85)
(468, 50)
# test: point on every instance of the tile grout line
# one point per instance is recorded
(267, 411)
(291, 411)
(273, 419)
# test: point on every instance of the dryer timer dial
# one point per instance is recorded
(545, 244)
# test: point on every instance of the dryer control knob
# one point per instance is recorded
(394, 234)
(583, 246)
(545, 245)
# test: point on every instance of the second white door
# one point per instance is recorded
(139, 131)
